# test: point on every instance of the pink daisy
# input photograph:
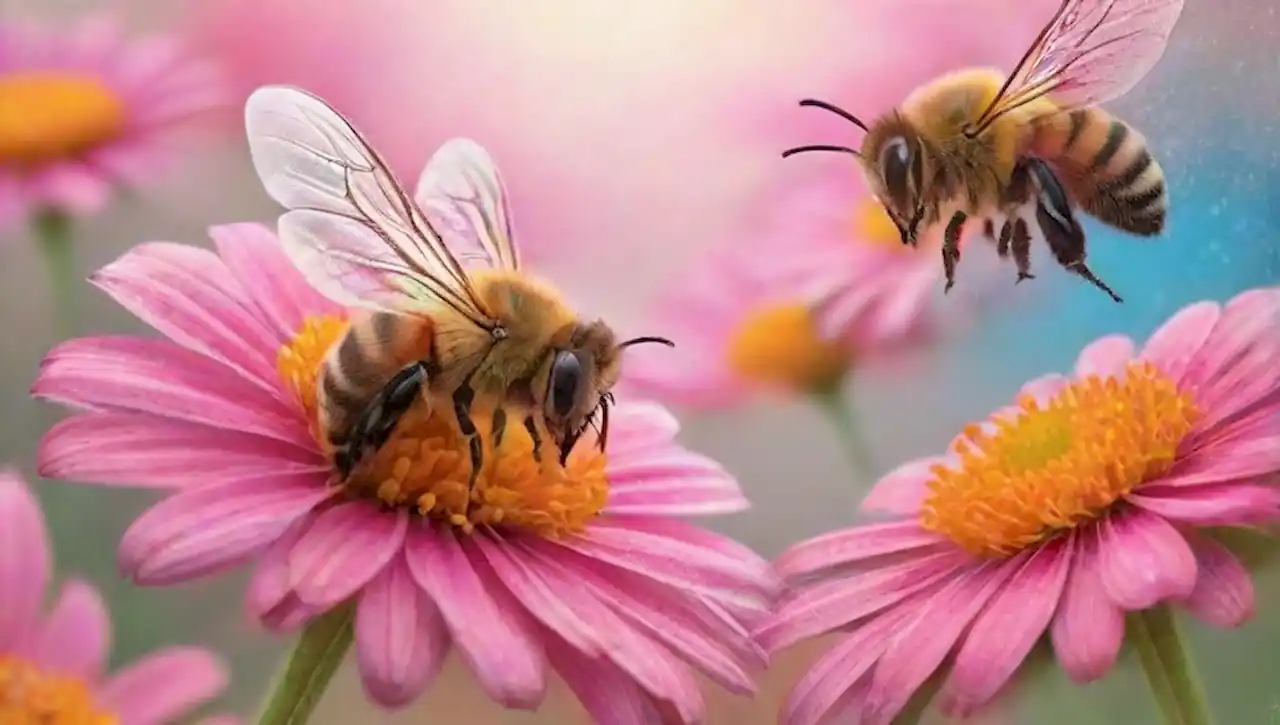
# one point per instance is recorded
(584, 570)
(83, 111)
(1088, 499)
(52, 666)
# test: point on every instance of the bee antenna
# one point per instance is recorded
(836, 110)
(820, 147)
(647, 339)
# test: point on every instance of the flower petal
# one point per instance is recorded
(901, 490)
(137, 449)
(343, 549)
(401, 639)
(605, 691)
(255, 257)
(1105, 356)
(1210, 505)
(494, 643)
(269, 584)
(1044, 387)
(140, 375)
(1173, 346)
(1087, 628)
(675, 485)
(164, 686)
(854, 544)
(24, 559)
(76, 636)
(1144, 561)
(214, 527)
(1004, 633)
(1223, 595)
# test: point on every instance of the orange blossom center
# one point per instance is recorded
(51, 115)
(30, 696)
(778, 345)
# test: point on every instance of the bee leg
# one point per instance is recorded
(499, 427)
(1002, 244)
(1021, 244)
(532, 426)
(1063, 233)
(379, 418)
(463, 397)
(951, 248)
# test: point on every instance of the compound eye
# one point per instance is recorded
(565, 383)
(895, 166)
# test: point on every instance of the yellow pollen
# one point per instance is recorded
(1052, 466)
(29, 696)
(872, 225)
(51, 115)
(779, 345)
(425, 465)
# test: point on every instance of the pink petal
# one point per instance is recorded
(1044, 387)
(1105, 357)
(920, 647)
(830, 684)
(1209, 505)
(1223, 595)
(1237, 459)
(190, 296)
(344, 548)
(24, 559)
(254, 255)
(72, 188)
(845, 600)
(163, 686)
(902, 490)
(76, 636)
(495, 643)
(401, 639)
(214, 527)
(137, 449)
(854, 544)
(1144, 561)
(1004, 633)
(1241, 343)
(269, 584)
(134, 374)
(673, 485)
(606, 692)
(1088, 628)
(1173, 345)
(639, 427)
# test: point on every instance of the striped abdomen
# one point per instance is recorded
(375, 347)
(1107, 167)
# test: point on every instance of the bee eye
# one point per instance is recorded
(895, 165)
(565, 382)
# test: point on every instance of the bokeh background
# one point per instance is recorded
(633, 136)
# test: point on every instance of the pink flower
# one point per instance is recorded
(86, 111)
(60, 657)
(583, 570)
(1088, 499)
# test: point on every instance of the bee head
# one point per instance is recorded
(577, 383)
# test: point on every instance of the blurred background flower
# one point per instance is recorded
(635, 137)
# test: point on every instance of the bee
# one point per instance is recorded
(1020, 153)
(432, 321)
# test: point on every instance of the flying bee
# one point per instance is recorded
(424, 327)
(1019, 154)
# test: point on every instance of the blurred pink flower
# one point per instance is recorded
(83, 111)
(1057, 516)
(585, 570)
(59, 658)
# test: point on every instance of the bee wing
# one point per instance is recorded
(1092, 51)
(351, 229)
(462, 193)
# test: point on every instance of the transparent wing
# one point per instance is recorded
(351, 229)
(1092, 51)
(463, 195)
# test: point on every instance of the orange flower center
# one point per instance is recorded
(29, 696)
(426, 464)
(1051, 467)
(779, 345)
(50, 115)
(872, 225)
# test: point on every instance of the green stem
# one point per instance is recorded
(840, 414)
(314, 661)
(53, 229)
(1166, 662)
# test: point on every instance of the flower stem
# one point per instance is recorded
(53, 229)
(1166, 662)
(840, 414)
(319, 651)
